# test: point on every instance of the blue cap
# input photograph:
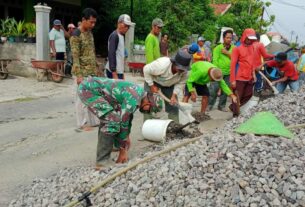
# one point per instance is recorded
(193, 48)
(57, 22)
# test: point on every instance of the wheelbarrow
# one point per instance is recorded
(3, 70)
(136, 67)
(54, 69)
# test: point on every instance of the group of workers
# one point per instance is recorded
(229, 71)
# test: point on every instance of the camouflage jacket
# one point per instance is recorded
(83, 53)
(113, 101)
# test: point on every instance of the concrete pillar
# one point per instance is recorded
(42, 32)
(129, 42)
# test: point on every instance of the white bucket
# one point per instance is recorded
(265, 40)
(184, 115)
(155, 129)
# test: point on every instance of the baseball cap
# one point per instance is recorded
(193, 48)
(57, 22)
(157, 22)
(125, 18)
(182, 60)
(252, 37)
(201, 38)
(281, 56)
(71, 26)
(216, 74)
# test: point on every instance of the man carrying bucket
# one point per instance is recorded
(114, 102)
(169, 76)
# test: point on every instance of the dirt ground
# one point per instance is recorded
(38, 136)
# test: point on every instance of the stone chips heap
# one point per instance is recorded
(221, 169)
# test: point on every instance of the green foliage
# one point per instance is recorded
(18, 29)
(245, 14)
(183, 18)
(7, 26)
(30, 29)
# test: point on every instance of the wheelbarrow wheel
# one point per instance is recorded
(55, 78)
(3, 75)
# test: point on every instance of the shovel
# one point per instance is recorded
(184, 110)
(275, 91)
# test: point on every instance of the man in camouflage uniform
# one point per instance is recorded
(114, 102)
(84, 63)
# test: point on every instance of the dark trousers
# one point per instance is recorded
(60, 56)
(109, 75)
(214, 87)
(244, 90)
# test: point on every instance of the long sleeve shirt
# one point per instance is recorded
(116, 54)
(200, 75)
(260, 53)
(221, 60)
(152, 48)
(113, 101)
(244, 57)
(160, 71)
(83, 53)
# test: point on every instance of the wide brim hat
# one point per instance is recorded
(182, 60)
(212, 71)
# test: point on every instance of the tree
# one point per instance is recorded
(183, 18)
(245, 14)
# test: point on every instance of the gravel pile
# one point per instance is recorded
(221, 169)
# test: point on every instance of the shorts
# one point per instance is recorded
(202, 90)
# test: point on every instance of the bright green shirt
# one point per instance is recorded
(199, 74)
(221, 60)
(152, 48)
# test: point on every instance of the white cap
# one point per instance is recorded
(125, 18)
(71, 25)
(252, 37)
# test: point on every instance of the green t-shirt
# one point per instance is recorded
(152, 48)
(199, 74)
(221, 60)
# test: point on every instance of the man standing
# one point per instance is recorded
(260, 54)
(202, 73)
(116, 49)
(169, 76)
(57, 40)
(152, 48)
(221, 59)
(84, 63)
(164, 45)
(114, 102)
(68, 66)
(241, 78)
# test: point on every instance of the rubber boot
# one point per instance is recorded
(174, 117)
(104, 147)
(204, 103)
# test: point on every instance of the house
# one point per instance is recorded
(220, 9)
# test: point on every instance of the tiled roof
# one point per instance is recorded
(220, 9)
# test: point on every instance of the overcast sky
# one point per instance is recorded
(289, 18)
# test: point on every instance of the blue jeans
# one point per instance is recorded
(293, 85)
(259, 83)
(301, 78)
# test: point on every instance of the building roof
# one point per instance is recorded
(220, 9)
